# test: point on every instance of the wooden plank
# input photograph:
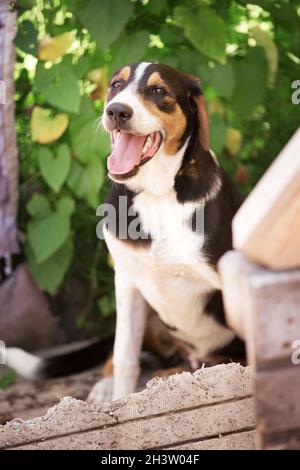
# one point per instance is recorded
(160, 431)
(234, 270)
(239, 441)
(288, 440)
(263, 306)
(179, 392)
(277, 400)
(266, 228)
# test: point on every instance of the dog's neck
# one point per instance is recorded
(157, 176)
(192, 174)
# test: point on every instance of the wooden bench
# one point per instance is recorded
(261, 282)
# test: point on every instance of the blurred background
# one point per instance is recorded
(246, 54)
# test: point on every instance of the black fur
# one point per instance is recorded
(215, 307)
(116, 191)
(77, 360)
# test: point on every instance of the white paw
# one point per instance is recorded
(101, 391)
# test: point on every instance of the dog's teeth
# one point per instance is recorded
(148, 144)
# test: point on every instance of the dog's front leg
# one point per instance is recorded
(131, 320)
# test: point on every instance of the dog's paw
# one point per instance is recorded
(101, 392)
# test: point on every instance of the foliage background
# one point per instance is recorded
(247, 56)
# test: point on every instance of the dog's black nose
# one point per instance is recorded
(119, 112)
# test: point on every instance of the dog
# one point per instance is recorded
(161, 164)
(165, 179)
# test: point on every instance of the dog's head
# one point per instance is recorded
(151, 111)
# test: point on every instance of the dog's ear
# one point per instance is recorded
(197, 99)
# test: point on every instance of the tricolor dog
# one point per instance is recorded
(161, 166)
(161, 162)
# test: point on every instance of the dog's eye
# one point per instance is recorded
(117, 84)
(159, 91)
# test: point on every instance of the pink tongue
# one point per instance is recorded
(126, 154)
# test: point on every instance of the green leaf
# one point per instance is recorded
(38, 206)
(7, 379)
(54, 170)
(86, 181)
(104, 20)
(27, 37)
(264, 40)
(205, 29)
(50, 273)
(59, 86)
(155, 7)
(204, 72)
(106, 306)
(128, 49)
(46, 235)
(171, 35)
(251, 85)
(66, 206)
(223, 80)
(218, 133)
(82, 67)
(87, 135)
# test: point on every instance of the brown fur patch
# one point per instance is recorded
(124, 74)
(108, 368)
(174, 124)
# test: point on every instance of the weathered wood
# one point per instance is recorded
(184, 408)
(263, 306)
(240, 441)
(277, 397)
(160, 431)
(266, 228)
(288, 440)
(8, 145)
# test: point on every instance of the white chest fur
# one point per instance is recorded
(172, 273)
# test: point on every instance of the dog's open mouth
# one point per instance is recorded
(130, 151)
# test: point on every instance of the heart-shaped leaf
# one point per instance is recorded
(38, 206)
(47, 234)
(46, 129)
(59, 86)
(49, 274)
(51, 48)
(104, 20)
(86, 181)
(205, 29)
(54, 169)
(26, 39)
(66, 206)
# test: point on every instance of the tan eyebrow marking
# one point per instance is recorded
(124, 74)
(155, 79)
